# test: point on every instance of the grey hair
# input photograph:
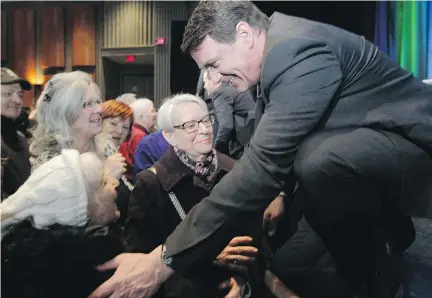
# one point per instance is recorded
(57, 109)
(168, 109)
(141, 106)
(127, 98)
(218, 19)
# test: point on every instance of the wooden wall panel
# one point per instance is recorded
(83, 35)
(163, 14)
(24, 47)
(128, 24)
(47, 77)
(53, 37)
(4, 43)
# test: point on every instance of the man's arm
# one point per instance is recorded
(300, 92)
(223, 99)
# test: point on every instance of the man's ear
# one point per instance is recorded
(244, 34)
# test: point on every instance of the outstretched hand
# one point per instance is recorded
(137, 275)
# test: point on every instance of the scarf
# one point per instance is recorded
(44, 157)
(205, 169)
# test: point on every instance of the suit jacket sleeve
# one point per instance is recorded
(300, 91)
(223, 100)
(143, 228)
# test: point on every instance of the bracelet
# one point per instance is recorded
(127, 183)
(167, 261)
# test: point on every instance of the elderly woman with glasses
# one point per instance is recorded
(68, 116)
(165, 193)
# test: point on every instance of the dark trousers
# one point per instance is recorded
(349, 180)
(305, 267)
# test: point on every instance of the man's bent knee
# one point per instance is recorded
(347, 155)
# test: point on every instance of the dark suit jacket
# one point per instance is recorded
(235, 113)
(314, 77)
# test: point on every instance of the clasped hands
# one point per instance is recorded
(140, 275)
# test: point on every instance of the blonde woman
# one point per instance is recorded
(68, 116)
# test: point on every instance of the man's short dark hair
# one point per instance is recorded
(219, 19)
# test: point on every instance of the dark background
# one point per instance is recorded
(357, 17)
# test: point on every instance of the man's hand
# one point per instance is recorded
(236, 285)
(273, 214)
(210, 84)
(238, 254)
(136, 276)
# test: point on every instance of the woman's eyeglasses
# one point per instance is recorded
(92, 103)
(193, 126)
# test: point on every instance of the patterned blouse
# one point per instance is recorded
(43, 158)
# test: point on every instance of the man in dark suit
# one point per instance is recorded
(235, 113)
(339, 116)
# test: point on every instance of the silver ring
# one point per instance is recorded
(235, 261)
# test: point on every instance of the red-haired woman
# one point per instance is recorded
(116, 122)
(116, 126)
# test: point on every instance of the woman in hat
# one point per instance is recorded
(52, 230)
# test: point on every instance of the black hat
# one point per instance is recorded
(9, 77)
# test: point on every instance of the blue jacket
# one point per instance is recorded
(148, 151)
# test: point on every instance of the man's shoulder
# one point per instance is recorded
(289, 37)
(225, 89)
(284, 52)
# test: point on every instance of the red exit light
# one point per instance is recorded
(160, 41)
(130, 58)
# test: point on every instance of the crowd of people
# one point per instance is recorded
(304, 148)
(67, 193)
